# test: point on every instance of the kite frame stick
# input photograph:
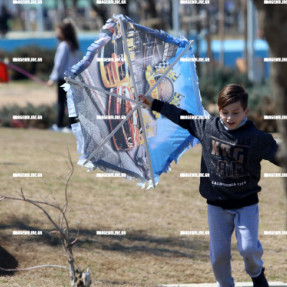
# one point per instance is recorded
(169, 68)
(68, 79)
(136, 93)
(112, 133)
(137, 104)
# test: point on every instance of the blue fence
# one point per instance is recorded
(233, 49)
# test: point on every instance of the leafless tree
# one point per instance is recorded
(273, 22)
(61, 225)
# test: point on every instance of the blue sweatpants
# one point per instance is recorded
(222, 223)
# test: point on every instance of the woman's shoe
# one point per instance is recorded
(55, 128)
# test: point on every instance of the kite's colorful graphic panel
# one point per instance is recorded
(105, 66)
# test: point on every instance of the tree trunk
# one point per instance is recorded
(71, 267)
(273, 24)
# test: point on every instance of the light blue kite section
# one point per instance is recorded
(171, 140)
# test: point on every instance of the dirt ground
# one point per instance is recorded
(152, 251)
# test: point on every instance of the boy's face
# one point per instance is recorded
(233, 114)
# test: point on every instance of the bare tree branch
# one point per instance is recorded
(37, 204)
(77, 278)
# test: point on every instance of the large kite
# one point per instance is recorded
(113, 132)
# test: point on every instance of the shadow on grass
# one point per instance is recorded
(134, 242)
(7, 261)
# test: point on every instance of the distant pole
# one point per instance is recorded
(60, 11)
(250, 37)
(198, 39)
(27, 18)
(244, 7)
(40, 20)
(221, 32)
(210, 65)
(175, 17)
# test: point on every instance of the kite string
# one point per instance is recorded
(25, 73)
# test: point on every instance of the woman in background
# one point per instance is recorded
(66, 56)
(4, 18)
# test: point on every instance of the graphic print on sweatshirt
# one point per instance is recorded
(230, 158)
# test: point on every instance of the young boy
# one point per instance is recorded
(232, 149)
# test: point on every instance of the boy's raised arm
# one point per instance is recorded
(172, 112)
(175, 114)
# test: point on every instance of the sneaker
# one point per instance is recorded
(66, 130)
(55, 128)
(260, 281)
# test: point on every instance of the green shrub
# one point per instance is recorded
(48, 113)
(212, 85)
(39, 69)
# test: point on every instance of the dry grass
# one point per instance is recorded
(24, 92)
(152, 252)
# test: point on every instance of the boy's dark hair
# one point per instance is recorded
(232, 93)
